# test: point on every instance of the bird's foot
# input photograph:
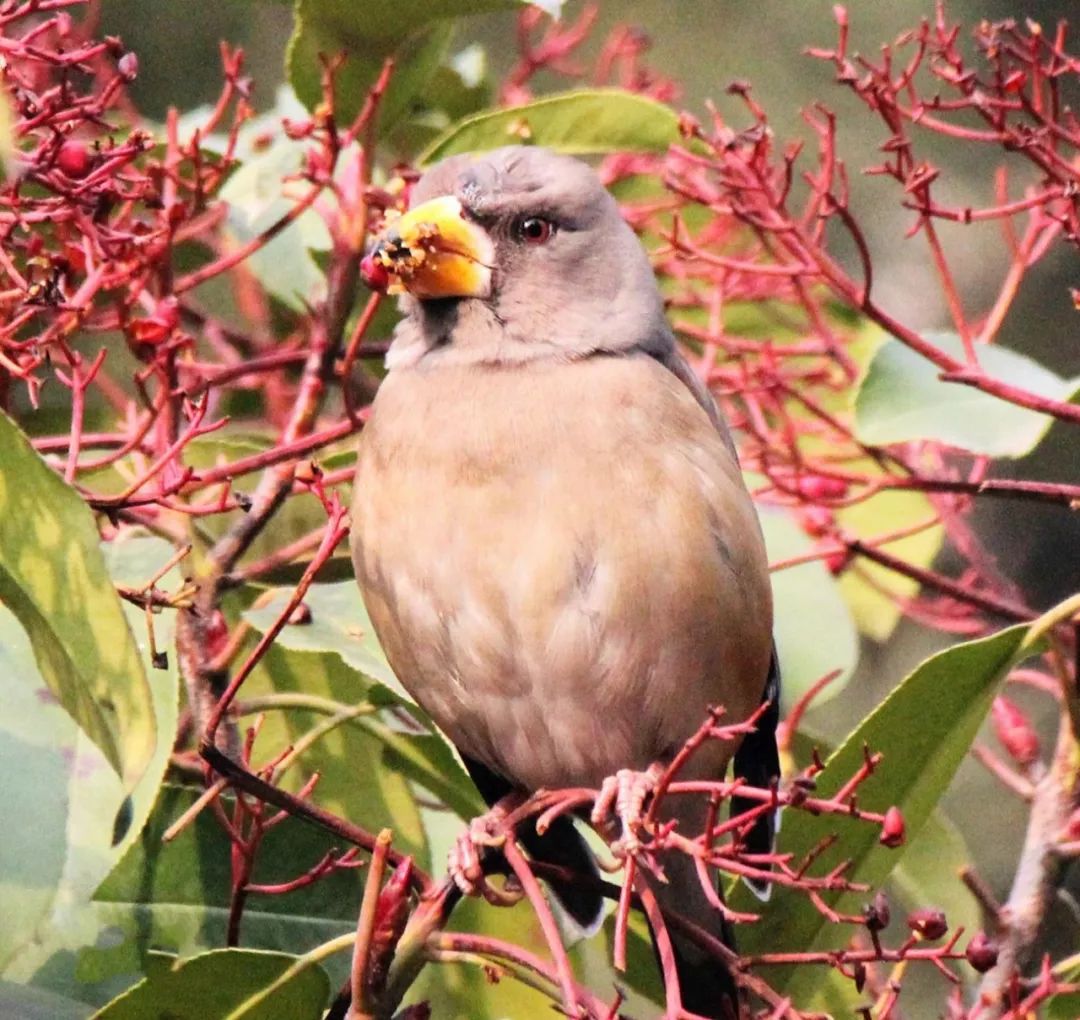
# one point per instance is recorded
(465, 863)
(618, 811)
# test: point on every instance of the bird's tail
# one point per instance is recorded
(562, 844)
(706, 985)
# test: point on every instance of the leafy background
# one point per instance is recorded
(96, 894)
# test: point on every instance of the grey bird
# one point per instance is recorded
(550, 528)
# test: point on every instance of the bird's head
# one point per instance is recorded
(512, 255)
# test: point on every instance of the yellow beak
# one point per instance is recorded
(432, 251)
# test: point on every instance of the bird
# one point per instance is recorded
(550, 528)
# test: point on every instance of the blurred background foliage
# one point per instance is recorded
(704, 46)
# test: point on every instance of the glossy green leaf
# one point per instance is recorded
(340, 627)
(62, 798)
(808, 605)
(53, 578)
(223, 984)
(923, 729)
(416, 33)
(903, 398)
(582, 122)
(339, 623)
(354, 780)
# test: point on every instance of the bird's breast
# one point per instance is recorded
(561, 562)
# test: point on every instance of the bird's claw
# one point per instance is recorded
(464, 863)
(618, 811)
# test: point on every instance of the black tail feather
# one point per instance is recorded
(758, 762)
(560, 844)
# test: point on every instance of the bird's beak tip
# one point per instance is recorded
(431, 251)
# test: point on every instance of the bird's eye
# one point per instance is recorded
(534, 229)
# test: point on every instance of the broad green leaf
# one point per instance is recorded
(923, 729)
(354, 781)
(176, 895)
(223, 984)
(807, 605)
(61, 796)
(903, 398)
(582, 122)
(340, 628)
(21, 1002)
(928, 875)
(416, 33)
(53, 578)
(339, 624)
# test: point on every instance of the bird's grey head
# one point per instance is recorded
(512, 255)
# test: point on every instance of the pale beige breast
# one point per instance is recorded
(561, 562)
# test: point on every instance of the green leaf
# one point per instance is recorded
(923, 729)
(255, 195)
(53, 578)
(889, 511)
(582, 123)
(19, 1002)
(1067, 1005)
(61, 797)
(928, 875)
(176, 895)
(903, 398)
(808, 604)
(416, 33)
(223, 985)
(341, 628)
(339, 624)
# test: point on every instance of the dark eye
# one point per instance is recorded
(534, 230)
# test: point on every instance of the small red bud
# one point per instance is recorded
(1072, 827)
(1014, 82)
(928, 922)
(159, 326)
(391, 913)
(1014, 731)
(128, 66)
(821, 487)
(816, 520)
(837, 561)
(374, 274)
(981, 952)
(892, 828)
(217, 634)
(74, 159)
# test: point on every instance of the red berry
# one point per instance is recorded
(816, 520)
(374, 273)
(892, 828)
(74, 159)
(981, 952)
(928, 922)
(1014, 731)
(817, 487)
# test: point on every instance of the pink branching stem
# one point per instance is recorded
(547, 923)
